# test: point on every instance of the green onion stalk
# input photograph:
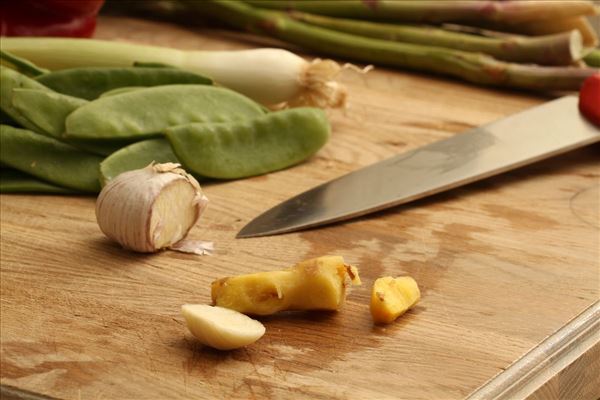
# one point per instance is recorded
(268, 75)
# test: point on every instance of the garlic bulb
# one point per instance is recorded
(150, 208)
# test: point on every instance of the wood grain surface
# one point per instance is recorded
(565, 366)
(502, 264)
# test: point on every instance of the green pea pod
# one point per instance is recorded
(99, 147)
(22, 65)
(149, 64)
(89, 83)
(148, 112)
(15, 181)
(6, 119)
(45, 109)
(135, 156)
(121, 90)
(250, 147)
(49, 159)
(9, 80)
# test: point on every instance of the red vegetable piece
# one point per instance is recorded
(589, 99)
(70, 18)
(72, 8)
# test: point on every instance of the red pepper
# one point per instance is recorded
(73, 18)
(589, 99)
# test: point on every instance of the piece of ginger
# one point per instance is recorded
(392, 297)
(316, 284)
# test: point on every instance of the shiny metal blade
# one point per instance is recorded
(532, 135)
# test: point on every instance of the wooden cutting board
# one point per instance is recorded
(502, 264)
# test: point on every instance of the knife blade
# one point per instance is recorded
(532, 135)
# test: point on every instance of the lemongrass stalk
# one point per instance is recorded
(558, 49)
(593, 58)
(475, 30)
(537, 28)
(437, 11)
(545, 26)
(269, 76)
(473, 67)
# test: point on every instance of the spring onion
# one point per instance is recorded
(267, 75)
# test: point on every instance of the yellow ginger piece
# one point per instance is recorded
(392, 297)
(316, 284)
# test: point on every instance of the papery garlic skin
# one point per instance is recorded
(149, 209)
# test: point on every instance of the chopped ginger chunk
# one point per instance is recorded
(392, 297)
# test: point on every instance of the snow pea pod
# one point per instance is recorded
(45, 109)
(89, 83)
(121, 90)
(150, 64)
(49, 159)
(99, 147)
(251, 147)
(9, 80)
(6, 119)
(135, 156)
(148, 112)
(15, 181)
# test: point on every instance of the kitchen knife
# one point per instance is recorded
(532, 135)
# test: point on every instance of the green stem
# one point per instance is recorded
(435, 11)
(593, 58)
(22, 65)
(473, 67)
(558, 49)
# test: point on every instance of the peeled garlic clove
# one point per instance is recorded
(151, 208)
(220, 327)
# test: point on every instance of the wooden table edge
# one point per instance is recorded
(564, 349)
